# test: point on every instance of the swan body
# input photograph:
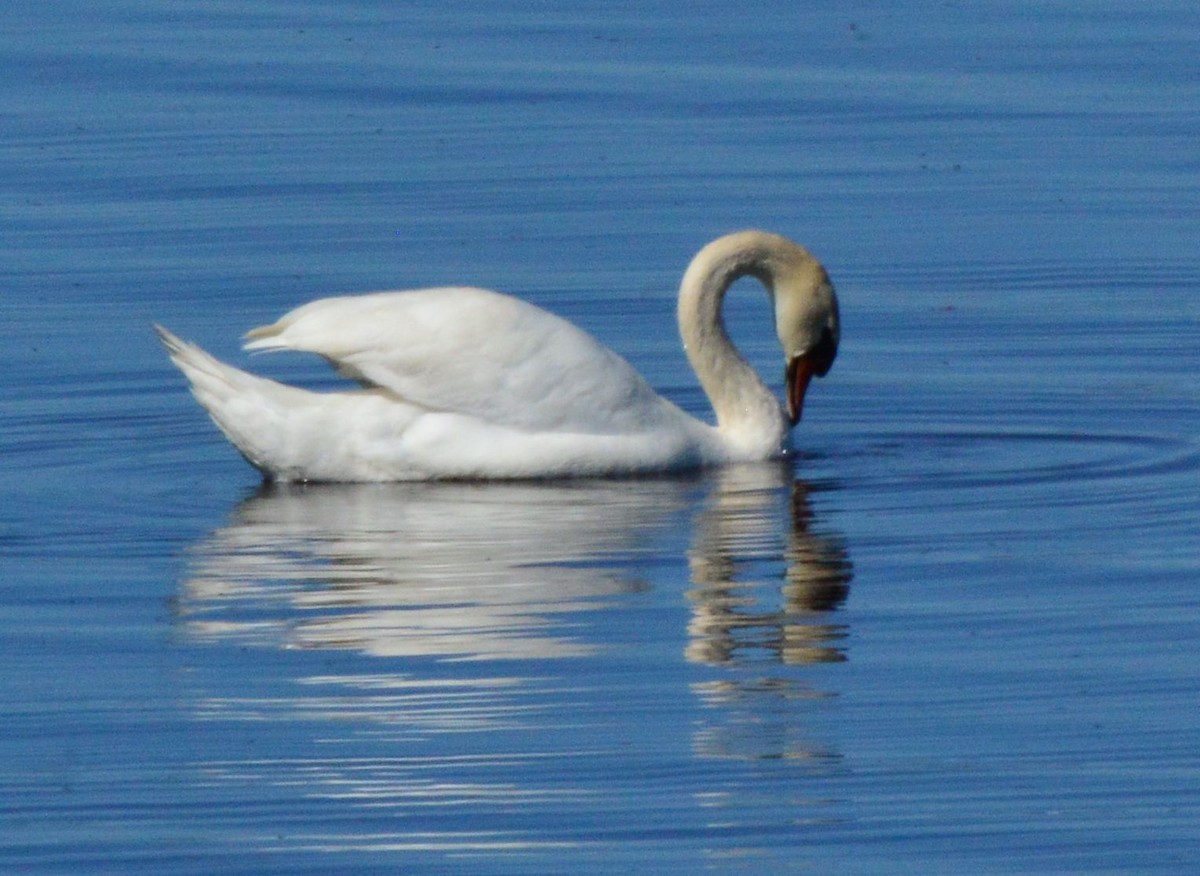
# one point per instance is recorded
(467, 383)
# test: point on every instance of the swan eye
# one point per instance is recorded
(823, 353)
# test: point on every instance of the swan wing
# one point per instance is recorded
(473, 352)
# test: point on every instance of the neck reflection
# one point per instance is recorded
(765, 578)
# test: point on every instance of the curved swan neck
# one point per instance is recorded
(748, 413)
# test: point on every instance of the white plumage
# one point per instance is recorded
(467, 383)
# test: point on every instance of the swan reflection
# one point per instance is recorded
(534, 571)
(502, 570)
(450, 570)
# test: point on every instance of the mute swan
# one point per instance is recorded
(467, 383)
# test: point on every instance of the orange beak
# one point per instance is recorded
(796, 379)
(803, 368)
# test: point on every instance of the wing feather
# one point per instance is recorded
(471, 351)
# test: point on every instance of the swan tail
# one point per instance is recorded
(252, 411)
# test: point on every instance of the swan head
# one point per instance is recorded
(806, 321)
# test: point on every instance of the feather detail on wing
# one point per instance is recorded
(470, 351)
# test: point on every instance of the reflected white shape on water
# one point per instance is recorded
(749, 531)
(765, 580)
(505, 572)
(403, 704)
(494, 571)
(458, 571)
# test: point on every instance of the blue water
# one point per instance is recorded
(959, 633)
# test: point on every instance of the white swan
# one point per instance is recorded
(467, 383)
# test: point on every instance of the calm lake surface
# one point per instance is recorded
(958, 633)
